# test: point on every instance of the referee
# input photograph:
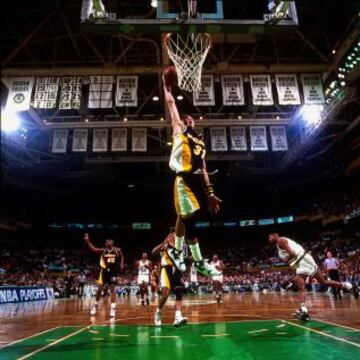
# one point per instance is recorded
(331, 265)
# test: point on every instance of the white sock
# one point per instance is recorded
(179, 242)
(195, 251)
(158, 311)
(113, 305)
(178, 314)
(303, 307)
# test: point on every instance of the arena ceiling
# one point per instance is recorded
(46, 36)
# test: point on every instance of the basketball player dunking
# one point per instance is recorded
(193, 192)
(218, 279)
(295, 255)
(144, 270)
(111, 261)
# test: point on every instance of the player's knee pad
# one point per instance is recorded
(179, 291)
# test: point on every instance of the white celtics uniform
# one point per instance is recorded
(216, 265)
(306, 266)
(193, 274)
(144, 272)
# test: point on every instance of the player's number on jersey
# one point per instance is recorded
(198, 149)
(111, 260)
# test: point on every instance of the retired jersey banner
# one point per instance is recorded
(70, 95)
(19, 95)
(100, 140)
(139, 139)
(100, 92)
(206, 95)
(278, 138)
(126, 91)
(258, 138)
(232, 90)
(238, 138)
(46, 92)
(288, 89)
(261, 90)
(80, 139)
(218, 139)
(312, 89)
(60, 139)
(119, 140)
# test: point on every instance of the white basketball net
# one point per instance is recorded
(188, 53)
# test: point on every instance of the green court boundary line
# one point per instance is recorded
(31, 336)
(51, 344)
(321, 333)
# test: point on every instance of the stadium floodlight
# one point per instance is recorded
(311, 114)
(10, 121)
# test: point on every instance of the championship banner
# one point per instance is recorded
(19, 95)
(100, 140)
(126, 91)
(70, 95)
(261, 90)
(232, 90)
(206, 95)
(80, 139)
(60, 139)
(139, 139)
(119, 140)
(258, 138)
(278, 138)
(100, 92)
(288, 89)
(312, 89)
(17, 294)
(46, 91)
(238, 138)
(218, 139)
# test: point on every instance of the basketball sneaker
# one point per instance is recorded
(177, 257)
(347, 286)
(301, 315)
(94, 309)
(204, 268)
(157, 318)
(180, 320)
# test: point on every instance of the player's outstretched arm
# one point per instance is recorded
(176, 122)
(121, 259)
(90, 245)
(214, 201)
(162, 246)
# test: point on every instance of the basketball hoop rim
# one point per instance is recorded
(167, 37)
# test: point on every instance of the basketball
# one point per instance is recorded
(170, 76)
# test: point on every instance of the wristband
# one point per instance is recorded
(209, 190)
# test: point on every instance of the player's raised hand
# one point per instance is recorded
(214, 204)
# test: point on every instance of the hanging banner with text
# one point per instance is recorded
(238, 138)
(288, 89)
(261, 90)
(258, 138)
(278, 138)
(312, 89)
(80, 139)
(19, 95)
(100, 92)
(119, 140)
(60, 139)
(70, 95)
(139, 139)
(218, 139)
(232, 90)
(46, 92)
(100, 140)
(206, 95)
(126, 91)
